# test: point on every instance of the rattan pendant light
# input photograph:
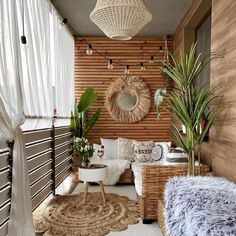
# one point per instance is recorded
(120, 19)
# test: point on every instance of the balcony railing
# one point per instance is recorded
(48, 153)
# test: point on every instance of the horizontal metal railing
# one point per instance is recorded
(48, 154)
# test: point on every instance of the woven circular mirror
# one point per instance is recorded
(128, 99)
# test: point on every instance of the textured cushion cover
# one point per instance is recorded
(202, 206)
(125, 149)
(110, 148)
(165, 147)
(157, 153)
(177, 153)
(142, 150)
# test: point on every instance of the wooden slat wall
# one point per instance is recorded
(91, 71)
(220, 151)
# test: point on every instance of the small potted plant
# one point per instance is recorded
(84, 149)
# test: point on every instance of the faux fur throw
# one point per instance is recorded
(115, 169)
(200, 206)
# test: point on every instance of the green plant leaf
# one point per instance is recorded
(91, 122)
(87, 99)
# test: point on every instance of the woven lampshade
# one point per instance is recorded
(120, 19)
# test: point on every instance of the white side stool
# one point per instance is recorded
(94, 173)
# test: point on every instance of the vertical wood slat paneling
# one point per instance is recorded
(91, 71)
(220, 151)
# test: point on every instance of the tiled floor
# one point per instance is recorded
(139, 229)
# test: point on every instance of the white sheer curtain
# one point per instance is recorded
(26, 88)
(12, 116)
(63, 59)
(36, 59)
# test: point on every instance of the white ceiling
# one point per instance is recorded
(166, 16)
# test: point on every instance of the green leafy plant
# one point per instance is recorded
(190, 104)
(79, 122)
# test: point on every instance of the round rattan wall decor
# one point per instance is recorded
(128, 99)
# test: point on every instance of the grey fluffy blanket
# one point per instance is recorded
(200, 206)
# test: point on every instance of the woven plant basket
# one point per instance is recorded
(120, 19)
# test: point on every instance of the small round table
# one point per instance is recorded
(94, 173)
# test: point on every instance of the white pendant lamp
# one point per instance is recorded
(120, 19)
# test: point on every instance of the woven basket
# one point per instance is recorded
(154, 178)
(160, 217)
(120, 19)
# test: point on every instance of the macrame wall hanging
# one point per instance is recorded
(128, 99)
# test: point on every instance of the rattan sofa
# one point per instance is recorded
(154, 178)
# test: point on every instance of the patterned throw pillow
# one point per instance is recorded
(165, 148)
(125, 149)
(157, 153)
(143, 150)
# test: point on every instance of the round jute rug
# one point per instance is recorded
(68, 216)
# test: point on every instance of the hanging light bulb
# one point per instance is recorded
(142, 66)
(64, 21)
(110, 65)
(23, 39)
(151, 59)
(89, 50)
(127, 69)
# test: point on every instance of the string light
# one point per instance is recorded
(151, 60)
(142, 66)
(89, 50)
(23, 37)
(110, 65)
(127, 69)
(64, 21)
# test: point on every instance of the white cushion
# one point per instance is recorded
(125, 149)
(137, 170)
(143, 150)
(96, 147)
(110, 148)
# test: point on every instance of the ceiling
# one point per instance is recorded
(166, 14)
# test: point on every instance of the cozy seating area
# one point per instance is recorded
(117, 117)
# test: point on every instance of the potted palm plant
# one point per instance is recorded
(79, 122)
(190, 104)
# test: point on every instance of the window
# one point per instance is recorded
(203, 38)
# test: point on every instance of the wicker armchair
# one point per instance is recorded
(154, 178)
